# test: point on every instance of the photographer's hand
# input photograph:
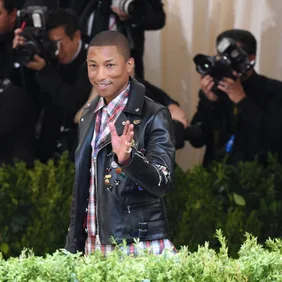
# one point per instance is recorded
(38, 63)
(233, 88)
(18, 40)
(122, 15)
(178, 114)
(206, 85)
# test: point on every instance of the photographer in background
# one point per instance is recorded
(61, 84)
(238, 117)
(8, 16)
(17, 112)
(130, 17)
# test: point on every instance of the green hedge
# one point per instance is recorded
(246, 198)
(35, 205)
(254, 263)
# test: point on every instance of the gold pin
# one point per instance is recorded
(137, 121)
(108, 176)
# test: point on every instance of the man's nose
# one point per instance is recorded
(102, 73)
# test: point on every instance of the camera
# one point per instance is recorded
(33, 21)
(133, 8)
(232, 58)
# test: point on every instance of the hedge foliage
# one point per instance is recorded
(35, 205)
(254, 263)
(246, 198)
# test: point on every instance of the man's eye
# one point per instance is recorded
(110, 65)
(92, 66)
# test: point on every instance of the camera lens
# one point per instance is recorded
(204, 63)
(25, 53)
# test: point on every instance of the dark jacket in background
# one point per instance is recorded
(157, 94)
(59, 91)
(17, 121)
(6, 43)
(257, 127)
(151, 18)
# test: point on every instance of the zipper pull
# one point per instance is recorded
(128, 209)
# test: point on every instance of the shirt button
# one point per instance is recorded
(82, 119)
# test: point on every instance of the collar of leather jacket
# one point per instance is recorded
(135, 99)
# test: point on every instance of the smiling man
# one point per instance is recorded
(126, 143)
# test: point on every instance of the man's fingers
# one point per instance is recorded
(113, 130)
(130, 132)
(228, 80)
(126, 127)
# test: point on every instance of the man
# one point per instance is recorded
(243, 121)
(141, 15)
(8, 15)
(62, 84)
(125, 142)
(17, 112)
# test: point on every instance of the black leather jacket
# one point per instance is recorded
(133, 208)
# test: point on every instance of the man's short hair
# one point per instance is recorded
(246, 38)
(65, 18)
(10, 5)
(112, 38)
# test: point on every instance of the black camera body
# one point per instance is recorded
(33, 21)
(232, 58)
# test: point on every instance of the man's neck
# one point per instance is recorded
(247, 75)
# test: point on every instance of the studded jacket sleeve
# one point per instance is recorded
(152, 171)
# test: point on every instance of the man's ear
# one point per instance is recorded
(77, 35)
(130, 66)
(13, 15)
(252, 57)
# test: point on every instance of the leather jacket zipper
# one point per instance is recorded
(96, 185)
(139, 205)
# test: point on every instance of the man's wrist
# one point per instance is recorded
(125, 161)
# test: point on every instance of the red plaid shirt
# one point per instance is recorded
(109, 113)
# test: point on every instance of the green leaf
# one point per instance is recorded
(238, 199)
(4, 248)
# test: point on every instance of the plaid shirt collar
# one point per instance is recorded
(110, 108)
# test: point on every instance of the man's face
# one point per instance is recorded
(67, 46)
(108, 71)
(7, 20)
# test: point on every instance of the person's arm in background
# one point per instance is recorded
(163, 98)
(203, 119)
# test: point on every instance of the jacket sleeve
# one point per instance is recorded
(153, 171)
(70, 96)
(153, 16)
(157, 94)
(203, 119)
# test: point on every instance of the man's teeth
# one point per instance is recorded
(104, 84)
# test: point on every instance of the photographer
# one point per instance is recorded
(8, 15)
(239, 116)
(130, 17)
(17, 112)
(60, 84)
